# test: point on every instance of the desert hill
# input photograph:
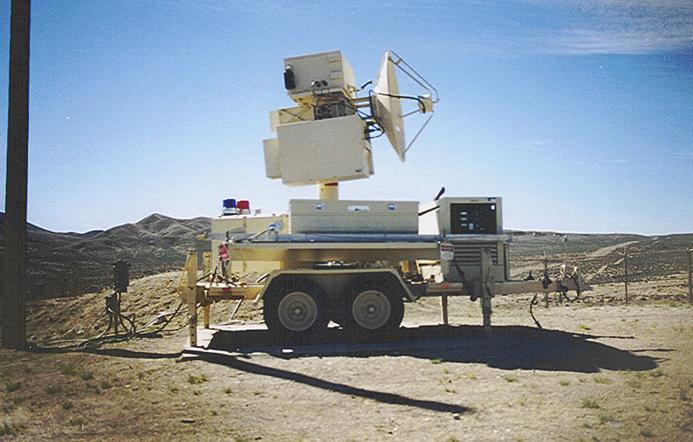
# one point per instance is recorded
(600, 256)
(70, 263)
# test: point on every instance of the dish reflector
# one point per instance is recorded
(388, 109)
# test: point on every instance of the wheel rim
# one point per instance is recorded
(297, 311)
(371, 309)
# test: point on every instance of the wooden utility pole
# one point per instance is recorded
(15, 266)
(625, 270)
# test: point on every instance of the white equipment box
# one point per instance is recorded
(318, 73)
(343, 216)
(322, 151)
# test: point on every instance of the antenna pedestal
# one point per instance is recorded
(328, 191)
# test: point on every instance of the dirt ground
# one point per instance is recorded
(598, 370)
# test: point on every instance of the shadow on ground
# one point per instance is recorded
(384, 397)
(510, 347)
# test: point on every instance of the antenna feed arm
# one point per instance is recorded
(415, 76)
(425, 103)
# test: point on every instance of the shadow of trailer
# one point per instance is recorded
(358, 281)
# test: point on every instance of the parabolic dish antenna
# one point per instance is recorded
(388, 108)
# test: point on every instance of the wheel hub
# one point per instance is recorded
(297, 311)
(371, 309)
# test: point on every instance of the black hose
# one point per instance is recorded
(104, 338)
(406, 97)
(531, 312)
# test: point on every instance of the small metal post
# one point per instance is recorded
(546, 271)
(205, 315)
(192, 328)
(625, 265)
(444, 308)
(690, 276)
(116, 313)
(191, 292)
(206, 262)
(486, 291)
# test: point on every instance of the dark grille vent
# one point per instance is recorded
(469, 253)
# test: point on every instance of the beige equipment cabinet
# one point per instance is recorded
(315, 152)
(321, 73)
(354, 216)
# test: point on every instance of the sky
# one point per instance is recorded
(579, 114)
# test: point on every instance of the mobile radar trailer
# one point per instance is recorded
(353, 262)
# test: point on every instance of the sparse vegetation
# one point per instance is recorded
(589, 403)
(633, 383)
(584, 327)
(646, 433)
(13, 386)
(199, 379)
(69, 370)
(53, 389)
(87, 376)
(76, 421)
(227, 390)
(511, 378)
(605, 417)
(6, 429)
(602, 380)
(564, 382)
(17, 400)
(105, 385)
(436, 361)
(67, 405)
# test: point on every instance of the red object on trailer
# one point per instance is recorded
(224, 253)
(243, 205)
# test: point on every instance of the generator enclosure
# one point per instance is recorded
(354, 216)
(461, 257)
(470, 216)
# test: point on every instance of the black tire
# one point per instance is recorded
(370, 294)
(280, 321)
